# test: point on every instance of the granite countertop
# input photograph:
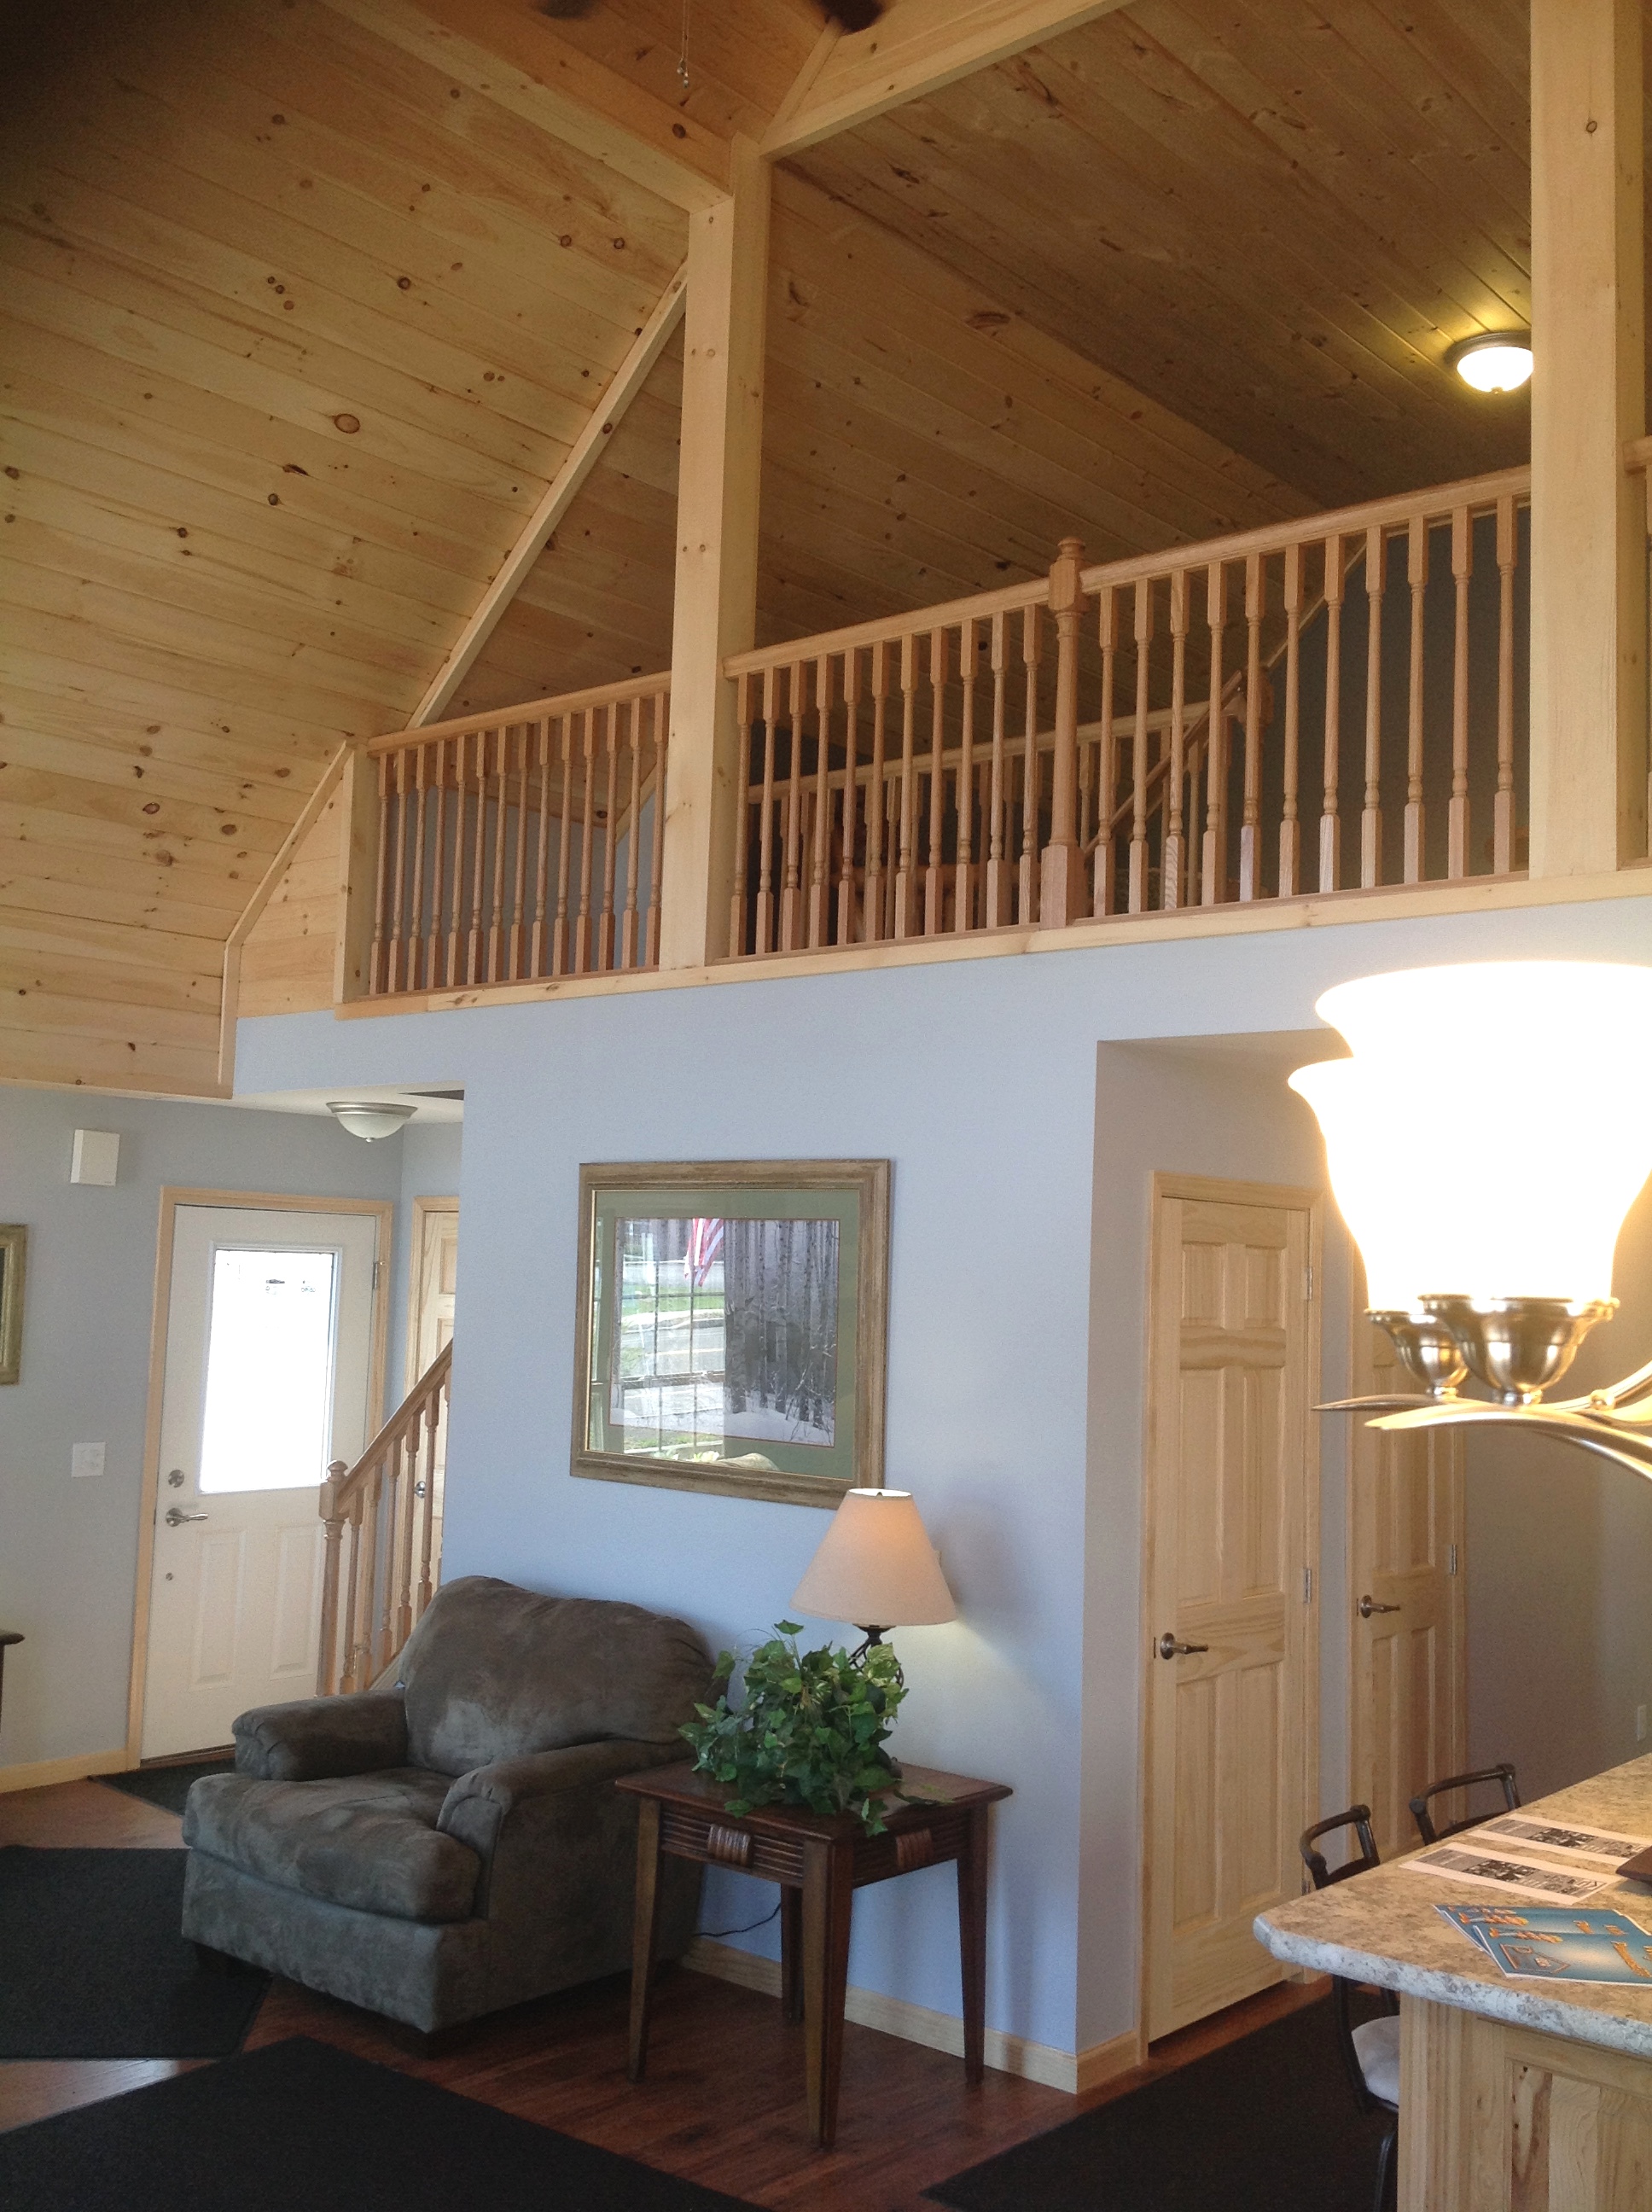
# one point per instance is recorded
(1382, 1927)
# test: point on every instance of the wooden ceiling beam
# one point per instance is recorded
(628, 379)
(509, 52)
(916, 47)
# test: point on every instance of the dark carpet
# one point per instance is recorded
(166, 1786)
(1267, 2124)
(92, 1965)
(300, 2127)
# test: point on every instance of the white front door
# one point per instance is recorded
(269, 1337)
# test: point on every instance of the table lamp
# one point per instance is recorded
(877, 1567)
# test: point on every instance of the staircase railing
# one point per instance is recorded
(382, 1523)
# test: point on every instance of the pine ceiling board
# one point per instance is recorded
(43, 888)
(27, 779)
(119, 747)
(67, 1053)
(63, 975)
(742, 55)
(71, 849)
(1177, 193)
(153, 951)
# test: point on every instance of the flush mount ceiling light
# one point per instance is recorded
(370, 1118)
(1493, 361)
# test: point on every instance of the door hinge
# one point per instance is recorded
(1307, 1585)
(1307, 1284)
(1451, 1559)
(376, 1266)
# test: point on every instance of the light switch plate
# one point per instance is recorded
(86, 1459)
(96, 1157)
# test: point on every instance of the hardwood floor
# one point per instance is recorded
(723, 2102)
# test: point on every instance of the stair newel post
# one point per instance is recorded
(332, 1529)
(1060, 876)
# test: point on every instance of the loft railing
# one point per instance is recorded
(1048, 753)
(382, 1524)
(523, 844)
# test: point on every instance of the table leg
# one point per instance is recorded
(791, 1952)
(972, 1940)
(828, 1902)
(644, 1928)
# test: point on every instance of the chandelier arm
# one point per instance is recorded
(1634, 1388)
(1607, 1437)
(1393, 1401)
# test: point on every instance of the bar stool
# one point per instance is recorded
(1503, 1773)
(1370, 2052)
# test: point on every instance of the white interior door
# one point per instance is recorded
(269, 1337)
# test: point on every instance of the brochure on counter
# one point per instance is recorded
(1545, 1880)
(1524, 1832)
(1556, 1944)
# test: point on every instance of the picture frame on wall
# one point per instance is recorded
(732, 1326)
(14, 1256)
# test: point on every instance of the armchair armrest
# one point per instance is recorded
(479, 1803)
(314, 1737)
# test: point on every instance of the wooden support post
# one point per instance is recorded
(1588, 541)
(716, 609)
(1061, 868)
(361, 857)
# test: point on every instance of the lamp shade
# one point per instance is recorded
(370, 1119)
(1493, 1127)
(876, 1565)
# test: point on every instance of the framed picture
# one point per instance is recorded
(732, 1321)
(13, 1252)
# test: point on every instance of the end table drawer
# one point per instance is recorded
(693, 1835)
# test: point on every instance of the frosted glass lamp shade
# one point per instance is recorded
(876, 1566)
(1492, 1128)
(370, 1119)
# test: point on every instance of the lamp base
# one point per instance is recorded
(1516, 1346)
(1427, 1350)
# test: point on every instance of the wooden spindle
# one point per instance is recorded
(1416, 576)
(1250, 825)
(818, 890)
(1289, 824)
(661, 739)
(537, 944)
(1503, 811)
(611, 802)
(516, 934)
(934, 886)
(1144, 637)
(905, 887)
(1330, 824)
(1213, 867)
(996, 899)
(1462, 568)
(397, 949)
(409, 1509)
(628, 954)
(434, 971)
(1032, 648)
(328, 1669)
(473, 970)
(963, 902)
(845, 880)
(1370, 820)
(792, 887)
(1060, 871)
(432, 1429)
(416, 930)
(1103, 883)
(1172, 859)
(737, 913)
(583, 916)
(559, 945)
(502, 819)
(766, 909)
(876, 794)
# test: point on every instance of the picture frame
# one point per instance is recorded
(14, 1260)
(731, 1327)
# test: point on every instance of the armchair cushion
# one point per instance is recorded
(479, 1803)
(367, 1841)
(493, 1673)
(314, 1737)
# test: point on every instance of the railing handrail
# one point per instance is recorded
(890, 630)
(530, 710)
(343, 1488)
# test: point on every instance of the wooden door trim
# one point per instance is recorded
(172, 1197)
(422, 1207)
(1292, 1198)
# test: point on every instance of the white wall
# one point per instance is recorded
(69, 1548)
(978, 1079)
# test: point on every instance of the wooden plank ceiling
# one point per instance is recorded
(1274, 216)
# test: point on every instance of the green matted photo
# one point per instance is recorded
(13, 1254)
(732, 1322)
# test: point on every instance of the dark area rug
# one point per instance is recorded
(1267, 2124)
(92, 1964)
(166, 1786)
(300, 2127)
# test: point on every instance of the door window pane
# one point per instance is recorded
(269, 1377)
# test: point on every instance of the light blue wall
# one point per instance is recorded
(69, 1548)
(430, 1161)
(978, 1079)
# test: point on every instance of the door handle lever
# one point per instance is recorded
(1170, 1648)
(176, 1516)
(1368, 1606)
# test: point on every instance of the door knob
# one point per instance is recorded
(176, 1516)
(1368, 1606)
(1170, 1648)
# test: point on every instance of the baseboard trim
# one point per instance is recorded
(937, 2031)
(42, 1773)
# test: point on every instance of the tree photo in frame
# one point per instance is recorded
(733, 1319)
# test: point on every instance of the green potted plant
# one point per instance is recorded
(811, 1731)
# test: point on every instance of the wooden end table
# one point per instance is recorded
(819, 1859)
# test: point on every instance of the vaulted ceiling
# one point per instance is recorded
(307, 301)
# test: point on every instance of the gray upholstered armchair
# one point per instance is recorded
(458, 1845)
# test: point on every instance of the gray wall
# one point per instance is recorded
(69, 1548)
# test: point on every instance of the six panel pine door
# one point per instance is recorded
(1232, 1527)
(1408, 1691)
